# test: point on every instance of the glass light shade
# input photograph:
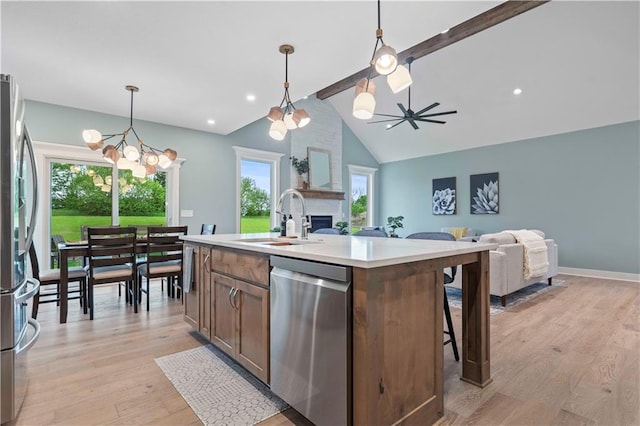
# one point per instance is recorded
(124, 164)
(289, 122)
(149, 169)
(91, 136)
(91, 172)
(97, 181)
(364, 85)
(163, 161)
(122, 181)
(150, 158)
(385, 60)
(108, 180)
(95, 146)
(139, 171)
(110, 154)
(301, 118)
(131, 152)
(275, 113)
(278, 130)
(106, 188)
(363, 106)
(170, 153)
(399, 80)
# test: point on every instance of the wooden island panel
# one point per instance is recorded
(245, 265)
(397, 344)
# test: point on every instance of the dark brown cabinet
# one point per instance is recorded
(233, 305)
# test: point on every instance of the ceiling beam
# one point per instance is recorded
(481, 22)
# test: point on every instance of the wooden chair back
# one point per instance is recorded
(111, 247)
(164, 244)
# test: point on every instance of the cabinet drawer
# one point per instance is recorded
(248, 266)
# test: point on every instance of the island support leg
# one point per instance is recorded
(475, 322)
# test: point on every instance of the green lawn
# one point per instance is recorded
(69, 226)
(251, 224)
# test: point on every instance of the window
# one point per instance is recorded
(258, 175)
(360, 197)
(78, 190)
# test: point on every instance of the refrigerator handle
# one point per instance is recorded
(36, 325)
(29, 294)
(34, 208)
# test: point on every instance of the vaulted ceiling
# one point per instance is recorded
(576, 62)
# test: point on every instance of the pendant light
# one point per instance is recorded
(141, 160)
(287, 117)
(385, 62)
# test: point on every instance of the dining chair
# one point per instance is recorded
(328, 231)
(51, 277)
(112, 259)
(165, 252)
(370, 233)
(207, 229)
(55, 241)
(448, 279)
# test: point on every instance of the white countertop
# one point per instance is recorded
(362, 252)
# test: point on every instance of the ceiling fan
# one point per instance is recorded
(409, 115)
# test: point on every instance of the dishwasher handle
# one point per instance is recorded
(321, 270)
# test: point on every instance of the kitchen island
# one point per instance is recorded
(397, 312)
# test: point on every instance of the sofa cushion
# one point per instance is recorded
(498, 238)
(539, 232)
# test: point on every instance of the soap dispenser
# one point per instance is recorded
(291, 227)
(283, 226)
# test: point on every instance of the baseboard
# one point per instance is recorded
(609, 275)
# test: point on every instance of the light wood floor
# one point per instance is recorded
(570, 356)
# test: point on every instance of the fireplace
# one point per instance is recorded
(318, 222)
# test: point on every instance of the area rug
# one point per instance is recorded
(529, 292)
(219, 391)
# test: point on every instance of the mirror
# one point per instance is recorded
(319, 169)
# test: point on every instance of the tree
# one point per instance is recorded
(359, 205)
(253, 200)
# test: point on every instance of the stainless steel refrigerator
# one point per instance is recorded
(18, 198)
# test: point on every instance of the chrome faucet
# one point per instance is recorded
(305, 223)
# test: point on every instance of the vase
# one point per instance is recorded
(301, 183)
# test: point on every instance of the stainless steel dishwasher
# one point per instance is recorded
(311, 338)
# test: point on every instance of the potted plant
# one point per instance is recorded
(394, 223)
(302, 167)
(342, 226)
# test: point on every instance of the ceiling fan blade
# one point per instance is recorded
(438, 113)
(399, 122)
(430, 121)
(432, 106)
(404, 111)
(413, 124)
(384, 121)
(389, 115)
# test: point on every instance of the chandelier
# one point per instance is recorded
(287, 117)
(385, 62)
(140, 158)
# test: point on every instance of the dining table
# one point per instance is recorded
(68, 250)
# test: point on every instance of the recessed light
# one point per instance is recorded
(251, 98)
(211, 122)
(445, 31)
(388, 126)
(517, 91)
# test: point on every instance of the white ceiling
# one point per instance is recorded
(577, 63)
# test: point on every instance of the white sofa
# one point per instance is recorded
(506, 265)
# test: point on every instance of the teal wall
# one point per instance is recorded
(580, 188)
(207, 177)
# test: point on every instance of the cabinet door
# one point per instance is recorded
(223, 326)
(191, 301)
(252, 339)
(204, 292)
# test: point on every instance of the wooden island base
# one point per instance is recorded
(398, 338)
